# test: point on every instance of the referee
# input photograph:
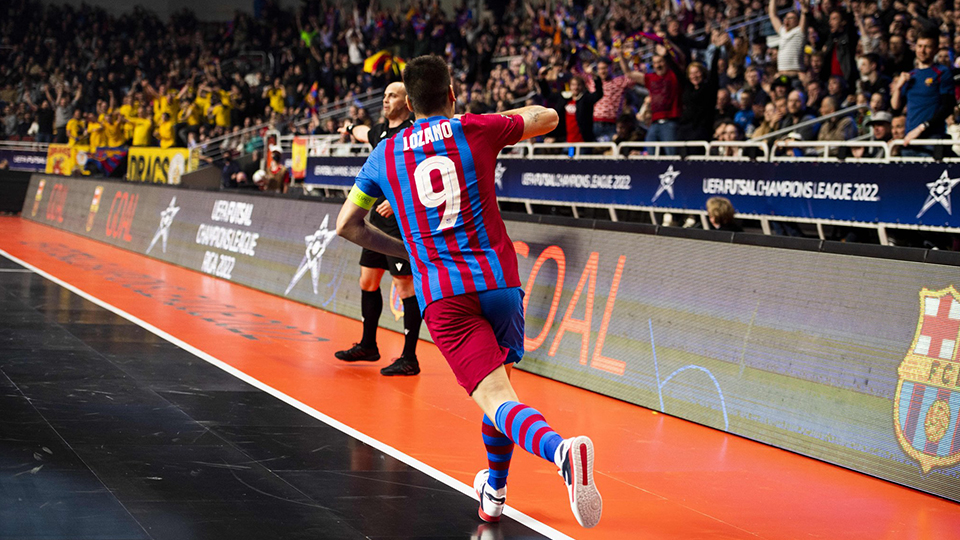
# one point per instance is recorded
(373, 264)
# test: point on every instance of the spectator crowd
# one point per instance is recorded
(616, 70)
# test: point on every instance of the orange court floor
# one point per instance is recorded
(661, 477)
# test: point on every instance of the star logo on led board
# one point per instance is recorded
(316, 245)
(166, 219)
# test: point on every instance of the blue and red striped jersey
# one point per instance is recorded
(439, 178)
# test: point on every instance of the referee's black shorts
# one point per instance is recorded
(396, 266)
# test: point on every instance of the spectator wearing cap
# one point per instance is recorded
(871, 81)
(791, 31)
(880, 127)
(927, 92)
(780, 87)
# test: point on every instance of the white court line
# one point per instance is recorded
(450, 481)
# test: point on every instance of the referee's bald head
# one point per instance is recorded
(395, 102)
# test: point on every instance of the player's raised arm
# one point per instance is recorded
(537, 120)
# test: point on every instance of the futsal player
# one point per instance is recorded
(373, 264)
(438, 176)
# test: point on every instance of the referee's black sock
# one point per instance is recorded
(411, 326)
(371, 305)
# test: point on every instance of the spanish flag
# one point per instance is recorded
(382, 62)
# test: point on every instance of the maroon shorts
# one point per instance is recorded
(477, 332)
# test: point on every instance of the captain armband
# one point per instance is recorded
(360, 198)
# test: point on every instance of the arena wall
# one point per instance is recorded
(847, 358)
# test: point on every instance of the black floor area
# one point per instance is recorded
(109, 432)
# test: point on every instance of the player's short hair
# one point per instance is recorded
(427, 81)
(931, 34)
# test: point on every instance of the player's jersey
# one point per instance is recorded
(438, 176)
(378, 133)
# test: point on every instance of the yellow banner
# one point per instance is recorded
(63, 159)
(160, 165)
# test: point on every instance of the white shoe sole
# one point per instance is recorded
(585, 500)
(478, 482)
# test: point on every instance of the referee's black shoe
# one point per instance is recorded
(359, 353)
(402, 366)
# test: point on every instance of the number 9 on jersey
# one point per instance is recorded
(450, 194)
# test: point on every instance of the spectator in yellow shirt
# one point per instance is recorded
(113, 127)
(190, 113)
(165, 100)
(225, 98)
(95, 132)
(219, 113)
(277, 95)
(165, 131)
(128, 109)
(142, 127)
(203, 100)
(76, 128)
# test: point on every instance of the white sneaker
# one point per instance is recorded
(575, 459)
(491, 500)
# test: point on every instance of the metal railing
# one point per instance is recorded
(28, 146)
(367, 100)
(897, 145)
(657, 147)
(831, 145)
(594, 150)
(809, 123)
(214, 148)
(653, 150)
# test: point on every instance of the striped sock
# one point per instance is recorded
(499, 452)
(526, 427)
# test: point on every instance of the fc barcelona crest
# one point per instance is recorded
(926, 408)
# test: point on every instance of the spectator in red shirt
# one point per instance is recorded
(664, 86)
